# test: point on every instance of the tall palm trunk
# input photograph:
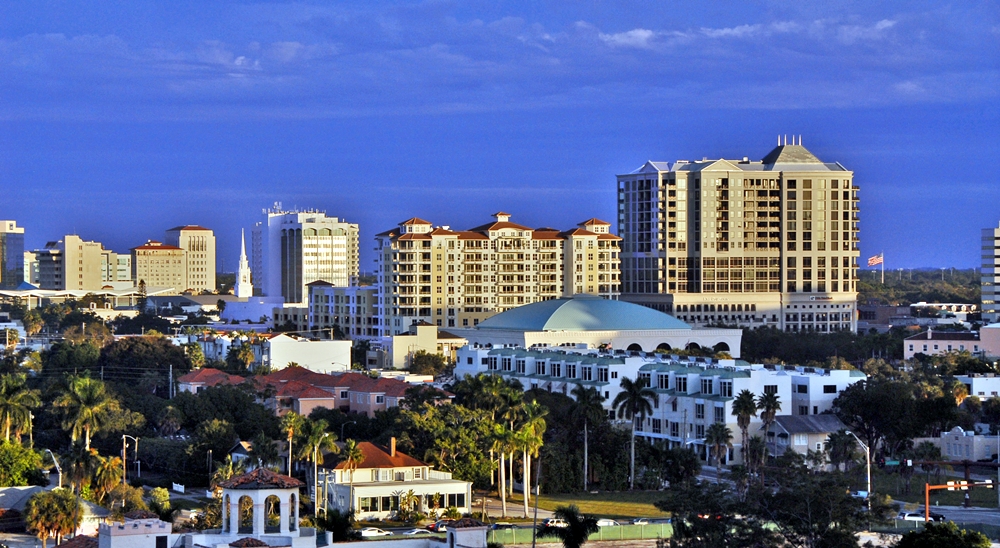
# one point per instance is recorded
(503, 487)
(510, 474)
(526, 486)
(586, 459)
(631, 478)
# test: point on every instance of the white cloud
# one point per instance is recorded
(635, 38)
(742, 31)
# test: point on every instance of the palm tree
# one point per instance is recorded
(316, 440)
(227, 469)
(85, 404)
(107, 476)
(83, 462)
(590, 407)
(768, 405)
(503, 441)
(744, 409)
(53, 514)
(631, 403)
(264, 451)
(578, 527)
(529, 438)
(841, 448)
(719, 438)
(16, 402)
(756, 450)
(291, 423)
(353, 457)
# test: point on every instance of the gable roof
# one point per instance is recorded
(189, 227)
(377, 456)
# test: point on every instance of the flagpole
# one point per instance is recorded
(882, 255)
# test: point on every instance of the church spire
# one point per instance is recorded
(244, 288)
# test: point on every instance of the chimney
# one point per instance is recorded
(930, 333)
(392, 446)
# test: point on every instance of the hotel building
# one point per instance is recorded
(198, 244)
(739, 242)
(990, 274)
(458, 278)
(75, 264)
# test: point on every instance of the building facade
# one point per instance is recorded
(691, 393)
(293, 248)
(937, 343)
(749, 243)
(11, 255)
(458, 278)
(198, 244)
(990, 274)
(76, 264)
(160, 265)
(352, 309)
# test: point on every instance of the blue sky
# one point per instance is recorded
(119, 120)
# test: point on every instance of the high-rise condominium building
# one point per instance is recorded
(198, 244)
(459, 278)
(739, 242)
(160, 265)
(72, 263)
(11, 254)
(990, 274)
(294, 248)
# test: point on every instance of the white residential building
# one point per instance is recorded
(990, 274)
(691, 393)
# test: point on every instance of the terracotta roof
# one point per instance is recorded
(210, 377)
(439, 231)
(248, 542)
(389, 233)
(607, 237)
(261, 478)
(469, 235)
(82, 541)
(189, 227)
(595, 221)
(414, 221)
(318, 282)
(499, 213)
(579, 232)
(153, 244)
(546, 234)
(412, 236)
(301, 390)
(497, 225)
(447, 335)
(377, 456)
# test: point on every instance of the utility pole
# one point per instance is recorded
(170, 387)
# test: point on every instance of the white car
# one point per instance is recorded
(555, 522)
(374, 532)
(607, 523)
(417, 532)
(640, 521)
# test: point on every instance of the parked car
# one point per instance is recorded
(374, 532)
(919, 516)
(439, 526)
(607, 523)
(555, 522)
(640, 521)
(417, 532)
(503, 525)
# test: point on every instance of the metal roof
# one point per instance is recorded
(582, 313)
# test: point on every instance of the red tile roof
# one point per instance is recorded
(414, 221)
(210, 377)
(498, 225)
(595, 221)
(82, 541)
(302, 391)
(261, 478)
(377, 456)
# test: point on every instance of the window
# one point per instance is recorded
(801, 439)
(720, 414)
(801, 389)
(675, 429)
(706, 386)
(682, 384)
(699, 431)
(726, 389)
(657, 426)
(602, 374)
(803, 409)
(379, 399)
(829, 388)
(343, 394)
(770, 389)
(699, 411)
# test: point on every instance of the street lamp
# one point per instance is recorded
(56, 462)
(316, 473)
(868, 465)
(356, 422)
(124, 455)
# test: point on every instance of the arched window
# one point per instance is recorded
(246, 515)
(293, 514)
(663, 347)
(225, 514)
(634, 347)
(272, 514)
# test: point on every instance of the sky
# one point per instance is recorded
(119, 120)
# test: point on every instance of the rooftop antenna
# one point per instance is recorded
(786, 139)
(779, 139)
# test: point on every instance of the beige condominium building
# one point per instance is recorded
(160, 265)
(75, 264)
(772, 242)
(990, 274)
(198, 244)
(457, 278)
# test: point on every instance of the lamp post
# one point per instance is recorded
(56, 462)
(31, 430)
(356, 422)
(868, 465)
(124, 454)
(316, 474)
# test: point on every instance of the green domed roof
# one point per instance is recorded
(582, 313)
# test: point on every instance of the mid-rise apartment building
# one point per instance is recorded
(691, 393)
(990, 274)
(73, 263)
(293, 248)
(157, 264)
(11, 255)
(198, 244)
(739, 242)
(457, 278)
(352, 309)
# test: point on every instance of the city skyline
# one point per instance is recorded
(117, 120)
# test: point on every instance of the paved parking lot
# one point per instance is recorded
(22, 541)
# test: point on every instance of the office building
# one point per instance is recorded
(157, 264)
(11, 255)
(772, 242)
(75, 264)
(458, 278)
(198, 244)
(293, 248)
(31, 268)
(990, 274)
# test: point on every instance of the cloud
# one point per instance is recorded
(741, 31)
(635, 38)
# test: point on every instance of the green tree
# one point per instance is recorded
(291, 424)
(53, 514)
(263, 451)
(943, 535)
(316, 441)
(215, 435)
(16, 402)
(529, 437)
(159, 502)
(768, 405)
(744, 409)
(352, 457)
(107, 475)
(85, 404)
(32, 322)
(10, 339)
(633, 403)
(589, 408)
(719, 438)
(425, 363)
(240, 357)
(18, 464)
(841, 448)
(681, 465)
(81, 463)
(578, 527)
(878, 411)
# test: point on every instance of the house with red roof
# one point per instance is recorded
(206, 377)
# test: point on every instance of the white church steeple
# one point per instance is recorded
(244, 289)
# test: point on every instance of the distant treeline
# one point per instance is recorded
(908, 286)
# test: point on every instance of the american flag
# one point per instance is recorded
(877, 259)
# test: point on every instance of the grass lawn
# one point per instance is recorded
(628, 504)
(891, 485)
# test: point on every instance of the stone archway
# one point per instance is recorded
(272, 514)
(634, 347)
(664, 348)
(721, 347)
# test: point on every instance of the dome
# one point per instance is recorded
(582, 313)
